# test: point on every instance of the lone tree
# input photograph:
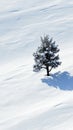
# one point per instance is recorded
(46, 55)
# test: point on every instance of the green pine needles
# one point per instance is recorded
(46, 55)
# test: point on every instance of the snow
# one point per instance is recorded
(30, 100)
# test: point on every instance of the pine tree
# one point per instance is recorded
(46, 55)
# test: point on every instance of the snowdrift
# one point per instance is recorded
(29, 100)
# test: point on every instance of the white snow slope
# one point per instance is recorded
(29, 100)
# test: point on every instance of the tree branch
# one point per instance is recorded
(43, 67)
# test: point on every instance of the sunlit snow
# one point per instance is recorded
(29, 100)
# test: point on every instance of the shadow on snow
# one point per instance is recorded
(60, 80)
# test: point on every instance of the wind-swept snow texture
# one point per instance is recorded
(29, 100)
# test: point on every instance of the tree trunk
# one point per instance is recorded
(47, 68)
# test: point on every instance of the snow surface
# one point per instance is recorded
(28, 100)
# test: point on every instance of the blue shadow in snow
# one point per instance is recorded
(60, 80)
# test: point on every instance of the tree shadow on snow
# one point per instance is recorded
(60, 80)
